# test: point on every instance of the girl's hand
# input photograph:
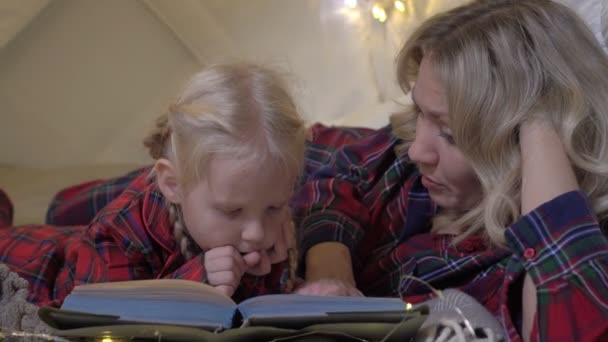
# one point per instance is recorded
(257, 263)
(328, 287)
(260, 262)
(225, 267)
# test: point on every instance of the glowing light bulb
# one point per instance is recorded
(350, 3)
(379, 13)
(106, 339)
(399, 5)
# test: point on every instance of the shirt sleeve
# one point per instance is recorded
(563, 249)
(112, 253)
(329, 204)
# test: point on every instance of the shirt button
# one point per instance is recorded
(529, 253)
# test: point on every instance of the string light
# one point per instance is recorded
(381, 10)
(379, 13)
(399, 6)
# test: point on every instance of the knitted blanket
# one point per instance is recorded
(18, 318)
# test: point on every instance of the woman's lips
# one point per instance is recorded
(431, 184)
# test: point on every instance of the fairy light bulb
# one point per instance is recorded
(379, 13)
(399, 6)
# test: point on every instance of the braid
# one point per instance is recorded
(156, 142)
(179, 232)
(292, 257)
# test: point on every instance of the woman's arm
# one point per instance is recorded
(329, 271)
(329, 211)
(546, 174)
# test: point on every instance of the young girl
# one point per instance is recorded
(213, 208)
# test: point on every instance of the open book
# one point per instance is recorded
(188, 303)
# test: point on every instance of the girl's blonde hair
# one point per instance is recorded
(243, 111)
(502, 62)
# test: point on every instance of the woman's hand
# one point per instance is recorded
(328, 287)
(546, 168)
(329, 271)
(225, 267)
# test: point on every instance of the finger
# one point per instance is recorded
(309, 289)
(215, 262)
(251, 259)
(225, 289)
(354, 292)
(220, 251)
(224, 278)
(232, 262)
(328, 287)
(304, 289)
(263, 266)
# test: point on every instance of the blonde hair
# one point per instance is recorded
(502, 62)
(243, 111)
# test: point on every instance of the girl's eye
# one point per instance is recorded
(448, 137)
(233, 213)
(273, 209)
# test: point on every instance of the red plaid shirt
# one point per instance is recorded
(131, 238)
(365, 197)
(78, 204)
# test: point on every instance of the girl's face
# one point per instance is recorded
(238, 204)
(446, 173)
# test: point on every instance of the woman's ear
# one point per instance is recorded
(166, 177)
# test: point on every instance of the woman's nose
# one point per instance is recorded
(423, 149)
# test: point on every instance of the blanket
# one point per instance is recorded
(18, 318)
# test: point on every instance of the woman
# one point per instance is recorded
(494, 182)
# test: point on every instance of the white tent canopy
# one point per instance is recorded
(81, 81)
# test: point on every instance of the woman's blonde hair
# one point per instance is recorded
(502, 62)
(244, 111)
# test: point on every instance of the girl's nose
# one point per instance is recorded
(253, 232)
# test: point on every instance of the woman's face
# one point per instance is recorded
(448, 176)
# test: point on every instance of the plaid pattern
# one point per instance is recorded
(6, 210)
(365, 197)
(78, 204)
(131, 238)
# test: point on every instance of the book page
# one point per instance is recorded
(167, 289)
(169, 301)
(302, 305)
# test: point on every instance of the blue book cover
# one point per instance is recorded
(188, 303)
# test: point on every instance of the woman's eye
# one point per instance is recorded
(448, 137)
